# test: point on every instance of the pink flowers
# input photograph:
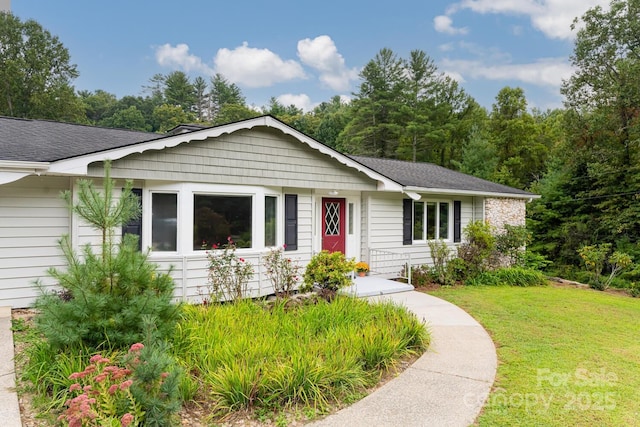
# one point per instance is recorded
(136, 347)
(100, 391)
(126, 419)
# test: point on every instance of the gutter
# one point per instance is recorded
(11, 170)
(449, 191)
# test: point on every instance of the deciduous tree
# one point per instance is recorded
(35, 73)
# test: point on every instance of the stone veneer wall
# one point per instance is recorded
(501, 211)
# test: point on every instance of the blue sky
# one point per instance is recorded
(304, 53)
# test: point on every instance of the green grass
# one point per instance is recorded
(246, 355)
(567, 357)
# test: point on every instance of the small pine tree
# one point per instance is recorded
(105, 295)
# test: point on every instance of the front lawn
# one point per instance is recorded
(567, 356)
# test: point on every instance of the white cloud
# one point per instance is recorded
(254, 67)
(446, 47)
(545, 72)
(552, 17)
(178, 56)
(444, 24)
(301, 101)
(321, 54)
(454, 75)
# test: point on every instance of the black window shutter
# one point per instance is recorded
(291, 222)
(407, 221)
(457, 213)
(135, 225)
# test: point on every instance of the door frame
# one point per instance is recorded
(352, 207)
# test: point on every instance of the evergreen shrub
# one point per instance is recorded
(107, 293)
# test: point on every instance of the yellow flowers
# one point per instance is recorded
(362, 267)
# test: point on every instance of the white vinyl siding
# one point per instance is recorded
(33, 217)
(384, 231)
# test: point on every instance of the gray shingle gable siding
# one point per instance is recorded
(428, 175)
(47, 141)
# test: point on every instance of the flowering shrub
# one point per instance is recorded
(103, 396)
(281, 271)
(229, 274)
(362, 267)
(141, 393)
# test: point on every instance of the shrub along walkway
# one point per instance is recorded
(447, 386)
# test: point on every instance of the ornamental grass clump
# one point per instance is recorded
(250, 355)
(229, 274)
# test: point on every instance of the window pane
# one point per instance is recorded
(418, 220)
(164, 223)
(270, 204)
(444, 221)
(216, 218)
(350, 218)
(431, 220)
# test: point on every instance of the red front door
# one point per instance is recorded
(333, 225)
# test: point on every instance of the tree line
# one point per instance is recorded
(582, 159)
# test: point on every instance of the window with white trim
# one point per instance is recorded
(430, 220)
(192, 217)
(270, 220)
(219, 217)
(164, 222)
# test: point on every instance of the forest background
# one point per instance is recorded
(582, 159)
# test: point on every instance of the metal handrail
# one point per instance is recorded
(388, 263)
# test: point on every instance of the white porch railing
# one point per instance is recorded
(390, 264)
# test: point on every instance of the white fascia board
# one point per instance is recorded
(79, 165)
(11, 170)
(447, 191)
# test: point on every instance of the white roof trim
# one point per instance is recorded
(79, 165)
(448, 191)
(412, 195)
(11, 170)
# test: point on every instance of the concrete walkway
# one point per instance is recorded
(9, 408)
(447, 386)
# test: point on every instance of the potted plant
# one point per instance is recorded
(362, 268)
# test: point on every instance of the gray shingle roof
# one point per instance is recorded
(428, 175)
(47, 141)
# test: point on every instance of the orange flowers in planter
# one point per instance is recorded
(362, 267)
